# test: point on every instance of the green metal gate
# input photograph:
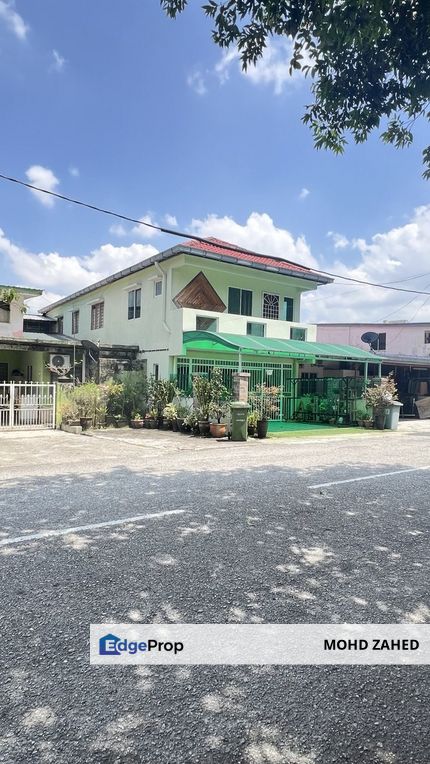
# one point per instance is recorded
(261, 373)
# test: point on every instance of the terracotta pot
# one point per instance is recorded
(218, 430)
(204, 428)
(367, 424)
(136, 424)
(262, 427)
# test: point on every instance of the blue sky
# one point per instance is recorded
(118, 105)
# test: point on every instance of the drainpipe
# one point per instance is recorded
(366, 372)
(163, 275)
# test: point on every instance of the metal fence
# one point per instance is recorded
(27, 405)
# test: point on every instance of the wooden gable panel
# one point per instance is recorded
(199, 294)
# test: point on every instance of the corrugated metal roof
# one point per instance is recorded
(275, 346)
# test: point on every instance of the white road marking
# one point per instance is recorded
(368, 477)
(93, 526)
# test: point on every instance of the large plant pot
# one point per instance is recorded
(152, 424)
(380, 421)
(180, 424)
(204, 428)
(251, 430)
(166, 424)
(218, 430)
(86, 422)
(136, 424)
(175, 425)
(262, 427)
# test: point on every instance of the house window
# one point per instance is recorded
(158, 287)
(288, 308)
(75, 321)
(427, 338)
(255, 330)
(4, 313)
(97, 315)
(60, 325)
(156, 371)
(380, 343)
(240, 301)
(270, 305)
(206, 324)
(298, 333)
(134, 303)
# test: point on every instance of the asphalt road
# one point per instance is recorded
(254, 542)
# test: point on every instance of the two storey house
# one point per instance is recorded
(200, 304)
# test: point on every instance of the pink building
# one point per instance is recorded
(394, 337)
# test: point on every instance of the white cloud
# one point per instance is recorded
(117, 229)
(273, 68)
(63, 275)
(303, 194)
(196, 82)
(170, 220)
(142, 230)
(58, 61)
(339, 240)
(44, 178)
(392, 256)
(258, 233)
(13, 20)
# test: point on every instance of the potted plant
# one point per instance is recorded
(203, 396)
(152, 418)
(85, 397)
(379, 397)
(181, 414)
(366, 420)
(219, 404)
(252, 423)
(169, 417)
(136, 422)
(191, 423)
(264, 401)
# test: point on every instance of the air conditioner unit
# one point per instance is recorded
(60, 361)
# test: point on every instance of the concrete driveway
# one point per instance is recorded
(233, 533)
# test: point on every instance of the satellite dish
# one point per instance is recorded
(369, 337)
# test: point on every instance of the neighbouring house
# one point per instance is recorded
(198, 305)
(32, 346)
(404, 347)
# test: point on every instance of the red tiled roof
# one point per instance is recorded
(218, 247)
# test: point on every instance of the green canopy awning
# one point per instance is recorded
(297, 349)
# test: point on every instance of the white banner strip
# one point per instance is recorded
(219, 644)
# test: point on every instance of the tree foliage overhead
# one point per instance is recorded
(369, 60)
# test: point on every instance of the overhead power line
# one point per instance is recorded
(202, 239)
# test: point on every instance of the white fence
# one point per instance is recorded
(27, 405)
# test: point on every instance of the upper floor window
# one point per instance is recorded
(75, 321)
(426, 338)
(158, 287)
(255, 330)
(97, 315)
(4, 312)
(380, 343)
(134, 303)
(298, 333)
(270, 305)
(60, 325)
(288, 309)
(206, 324)
(240, 301)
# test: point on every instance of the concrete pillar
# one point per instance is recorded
(241, 386)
